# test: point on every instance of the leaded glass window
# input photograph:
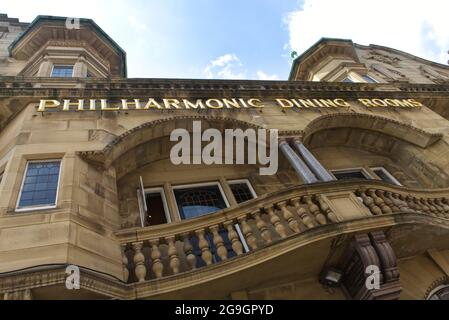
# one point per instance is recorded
(40, 185)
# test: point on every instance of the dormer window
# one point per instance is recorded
(60, 71)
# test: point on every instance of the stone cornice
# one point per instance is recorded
(26, 87)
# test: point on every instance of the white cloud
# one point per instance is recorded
(263, 76)
(227, 66)
(420, 28)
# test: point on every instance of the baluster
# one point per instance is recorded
(445, 207)
(262, 226)
(276, 221)
(248, 233)
(125, 263)
(425, 207)
(327, 210)
(288, 216)
(173, 255)
(302, 213)
(158, 267)
(369, 202)
(432, 207)
(379, 202)
(408, 205)
(389, 200)
(139, 261)
(222, 252)
(204, 246)
(188, 249)
(233, 236)
(313, 208)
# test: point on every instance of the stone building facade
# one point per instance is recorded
(87, 182)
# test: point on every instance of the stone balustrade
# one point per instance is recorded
(162, 251)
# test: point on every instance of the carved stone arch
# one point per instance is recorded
(439, 285)
(379, 124)
(158, 129)
(408, 148)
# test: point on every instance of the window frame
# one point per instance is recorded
(161, 191)
(42, 207)
(199, 185)
(62, 65)
(243, 181)
(387, 173)
(349, 170)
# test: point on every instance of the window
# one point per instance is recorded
(347, 80)
(242, 190)
(351, 174)
(157, 210)
(62, 71)
(40, 185)
(199, 200)
(386, 176)
(369, 79)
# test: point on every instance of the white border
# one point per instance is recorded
(161, 191)
(386, 172)
(62, 65)
(38, 208)
(198, 185)
(247, 182)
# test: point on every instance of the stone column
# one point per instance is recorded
(45, 68)
(296, 162)
(313, 163)
(80, 68)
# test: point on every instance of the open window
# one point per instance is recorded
(385, 176)
(153, 206)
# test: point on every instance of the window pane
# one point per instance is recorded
(241, 192)
(369, 79)
(40, 184)
(384, 176)
(200, 201)
(62, 71)
(350, 175)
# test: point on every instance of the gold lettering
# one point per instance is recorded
(328, 103)
(79, 105)
(415, 103)
(198, 104)
(318, 103)
(172, 103)
(367, 103)
(43, 105)
(307, 103)
(242, 101)
(231, 103)
(126, 104)
(392, 102)
(342, 103)
(284, 103)
(379, 103)
(105, 107)
(152, 104)
(93, 105)
(218, 104)
(256, 103)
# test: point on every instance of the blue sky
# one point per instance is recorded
(248, 39)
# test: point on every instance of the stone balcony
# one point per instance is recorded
(159, 259)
